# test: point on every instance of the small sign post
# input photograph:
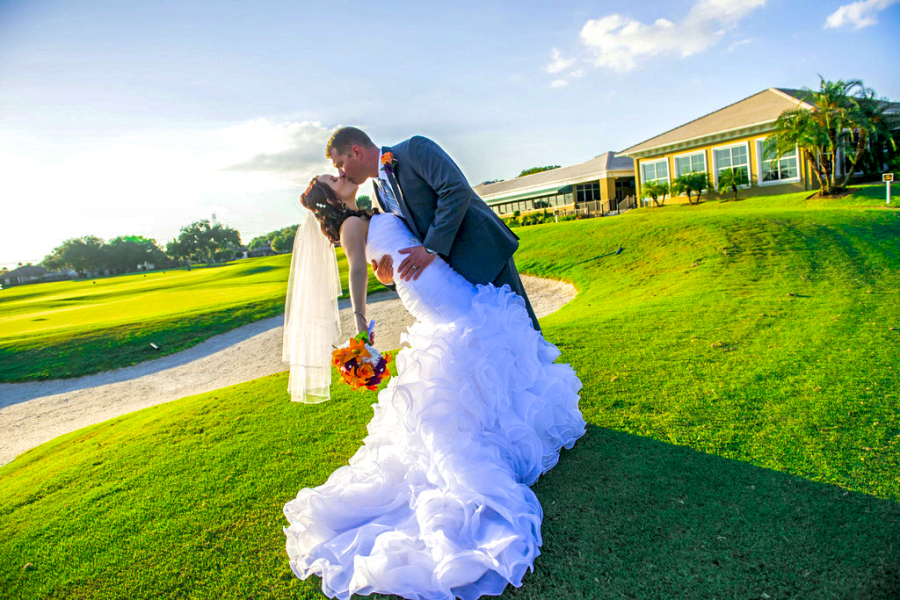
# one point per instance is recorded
(888, 178)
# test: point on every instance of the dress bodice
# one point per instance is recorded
(439, 294)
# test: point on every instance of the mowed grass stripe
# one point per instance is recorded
(70, 329)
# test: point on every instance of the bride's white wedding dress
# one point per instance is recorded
(436, 502)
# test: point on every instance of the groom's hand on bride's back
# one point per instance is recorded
(384, 270)
(418, 260)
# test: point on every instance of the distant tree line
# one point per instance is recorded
(534, 170)
(90, 254)
(200, 241)
(280, 240)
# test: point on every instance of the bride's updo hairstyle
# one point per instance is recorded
(328, 209)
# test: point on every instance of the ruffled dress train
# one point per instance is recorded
(436, 503)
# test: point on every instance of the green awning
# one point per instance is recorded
(536, 193)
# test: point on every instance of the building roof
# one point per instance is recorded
(26, 271)
(750, 115)
(606, 165)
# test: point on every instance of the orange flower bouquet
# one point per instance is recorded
(360, 364)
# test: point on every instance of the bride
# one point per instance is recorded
(436, 504)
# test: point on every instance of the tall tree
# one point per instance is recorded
(281, 240)
(201, 239)
(178, 251)
(870, 125)
(284, 240)
(125, 253)
(81, 254)
(260, 241)
(846, 118)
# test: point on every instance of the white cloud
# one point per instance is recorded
(740, 43)
(558, 62)
(294, 146)
(859, 14)
(620, 43)
(557, 83)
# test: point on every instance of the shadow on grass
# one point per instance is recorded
(257, 270)
(626, 516)
(631, 517)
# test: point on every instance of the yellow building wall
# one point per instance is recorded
(607, 190)
(807, 180)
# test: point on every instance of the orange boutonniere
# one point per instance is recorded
(388, 162)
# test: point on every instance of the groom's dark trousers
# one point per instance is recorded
(510, 276)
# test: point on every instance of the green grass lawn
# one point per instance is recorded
(74, 328)
(740, 368)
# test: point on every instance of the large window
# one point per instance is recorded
(588, 192)
(733, 157)
(690, 163)
(657, 170)
(784, 170)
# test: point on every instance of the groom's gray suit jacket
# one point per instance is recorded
(445, 213)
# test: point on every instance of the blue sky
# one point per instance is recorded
(120, 118)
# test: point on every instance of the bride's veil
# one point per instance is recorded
(312, 323)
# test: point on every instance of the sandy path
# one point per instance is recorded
(33, 413)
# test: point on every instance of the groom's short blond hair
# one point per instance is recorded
(345, 137)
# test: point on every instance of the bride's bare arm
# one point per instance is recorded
(353, 241)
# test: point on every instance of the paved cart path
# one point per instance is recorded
(36, 412)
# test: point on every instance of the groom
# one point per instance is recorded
(419, 182)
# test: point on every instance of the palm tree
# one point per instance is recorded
(680, 186)
(730, 179)
(846, 117)
(700, 181)
(870, 124)
(656, 190)
(691, 183)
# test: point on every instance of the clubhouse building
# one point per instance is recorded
(729, 138)
(732, 137)
(598, 186)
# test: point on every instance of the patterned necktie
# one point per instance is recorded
(390, 202)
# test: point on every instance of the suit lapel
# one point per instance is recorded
(398, 194)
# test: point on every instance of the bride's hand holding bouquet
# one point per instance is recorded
(361, 365)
